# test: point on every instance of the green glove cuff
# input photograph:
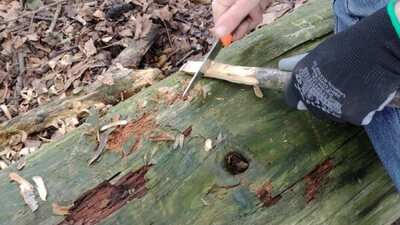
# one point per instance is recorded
(392, 15)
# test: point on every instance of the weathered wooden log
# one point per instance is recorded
(267, 165)
(125, 82)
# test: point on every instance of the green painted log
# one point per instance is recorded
(300, 170)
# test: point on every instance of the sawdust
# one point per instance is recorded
(316, 178)
(100, 202)
(140, 128)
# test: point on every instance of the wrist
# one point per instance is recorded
(393, 10)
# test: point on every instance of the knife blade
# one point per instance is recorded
(211, 55)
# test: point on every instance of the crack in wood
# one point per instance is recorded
(316, 178)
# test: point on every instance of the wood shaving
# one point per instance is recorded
(3, 165)
(26, 191)
(176, 143)
(113, 124)
(258, 91)
(181, 140)
(6, 111)
(21, 163)
(208, 145)
(162, 137)
(40, 187)
(221, 137)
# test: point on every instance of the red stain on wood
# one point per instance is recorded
(316, 178)
(264, 194)
(100, 202)
(142, 127)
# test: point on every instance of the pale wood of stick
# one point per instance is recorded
(263, 77)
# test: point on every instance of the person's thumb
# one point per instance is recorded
(229, 18)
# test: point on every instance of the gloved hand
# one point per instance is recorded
(352, 74)
(237, 17)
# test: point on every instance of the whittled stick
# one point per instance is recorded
(255, 76)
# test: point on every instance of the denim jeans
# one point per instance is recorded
(384, 129)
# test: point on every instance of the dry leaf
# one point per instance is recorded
(106, 39)
(60, 210)
(40, 187)
(164, 13)
(26, 191)
(99, 14)
(142, 26)
(32, 37)
(208, 145)
(126, 33)
(90, 48)
(163, 137)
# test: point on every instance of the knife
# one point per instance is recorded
(212, 54)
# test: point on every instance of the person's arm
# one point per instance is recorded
(237, 17)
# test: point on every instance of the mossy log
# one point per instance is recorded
(267, 165)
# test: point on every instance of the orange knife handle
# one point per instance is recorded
(227, 39)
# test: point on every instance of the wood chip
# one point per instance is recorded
(258, 91)
(208, 145)
(162, 137)
(221, 137)
(176, 143)
(181, 140)
(114, 124)
(6, 111)
(26, 191)
(21, 163)
(60, 210)
(3, 165)
(90, 48)
(40, 187)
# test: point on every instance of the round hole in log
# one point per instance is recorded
(235, 163)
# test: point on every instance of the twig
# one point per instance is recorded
(34, 12)
(21, 63)
(47, 18)
(184, 57)
(18, 85)
(169, 37)
(55, 18)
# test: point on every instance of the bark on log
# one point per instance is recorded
(299, 170)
